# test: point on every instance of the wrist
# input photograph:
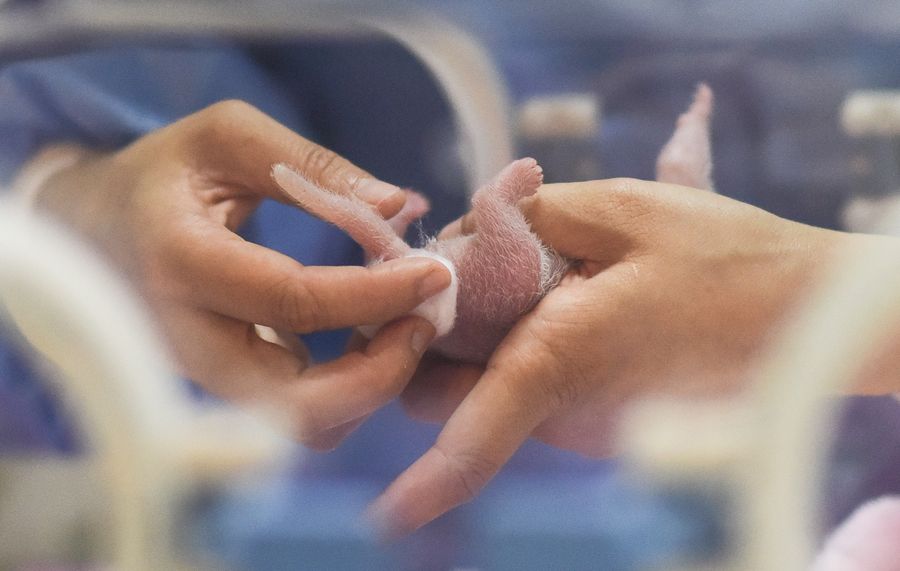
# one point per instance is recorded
(71, 186)
(32, 179)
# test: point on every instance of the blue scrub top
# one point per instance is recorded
(372, 102)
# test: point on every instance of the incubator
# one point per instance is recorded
(108, 460)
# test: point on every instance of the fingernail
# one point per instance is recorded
(421, 337)
(375, 191)
(435, 281)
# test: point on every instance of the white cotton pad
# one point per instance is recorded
(439, 309)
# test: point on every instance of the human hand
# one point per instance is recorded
(673, 290)
(165, 210)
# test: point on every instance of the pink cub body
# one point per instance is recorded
(868, 541)
(502, 270)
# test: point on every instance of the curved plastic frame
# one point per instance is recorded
(149, 442)
(459, 64)
(770, 446)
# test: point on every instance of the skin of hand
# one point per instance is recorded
(165, 210)
(674, 291)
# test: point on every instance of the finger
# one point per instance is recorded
(355, 385)
(462, 226)
(467, 224)
(438, 388)
(228, 357)
(507, 403)
(284, 339)
(254, 284)
(325, 401)
(238, 143)
(597, 220)
(451, 230)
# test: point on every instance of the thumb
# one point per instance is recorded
(596, 220)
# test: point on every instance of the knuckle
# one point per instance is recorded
(320, 163)
(623, 185)
(557, 386)
(561, 392)
(626, 195)
(297, 305)
(387, 379)
(630, 208)
(165, 270)
(561, 388)
(220, 120)
(470, 473)
(229, 109)
(390, 385)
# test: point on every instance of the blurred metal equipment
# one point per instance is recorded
(562, 130)
(872, 118)
(872, 113)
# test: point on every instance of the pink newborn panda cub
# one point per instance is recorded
(498, 273)
(687, 158)
(868, 541)
(502, 270)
